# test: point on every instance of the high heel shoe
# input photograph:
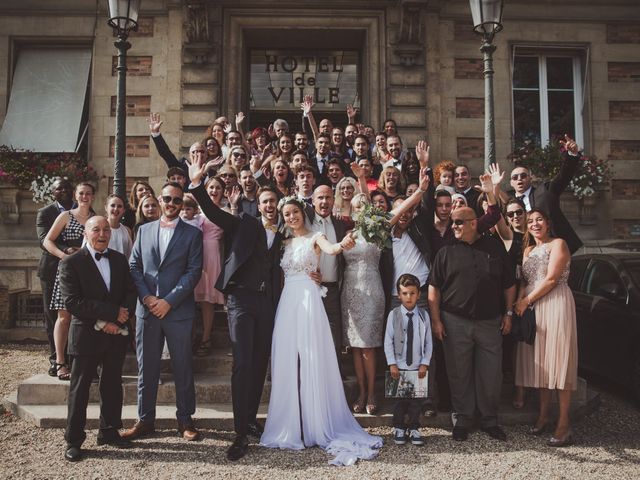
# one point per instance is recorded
(537, 431)
(358, 405)
(372, 406)
(561, 442)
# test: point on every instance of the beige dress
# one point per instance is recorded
(552, 361)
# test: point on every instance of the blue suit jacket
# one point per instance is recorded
(172, 279)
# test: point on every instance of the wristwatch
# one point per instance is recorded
(509, 313)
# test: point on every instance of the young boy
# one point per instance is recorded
(176, 174)
(408, 346)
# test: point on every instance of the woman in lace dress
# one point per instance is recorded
(307, 405)
(551, 363)
(69, 226)
(363, 301)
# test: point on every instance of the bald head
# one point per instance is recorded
(98, 233)
(465, 224)
(323, 200)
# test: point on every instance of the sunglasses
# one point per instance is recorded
(199, 151)
(239, 155)
(515, 213)
(519, 176)
(166, 199)
(460, 221)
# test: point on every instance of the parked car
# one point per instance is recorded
(606, 288)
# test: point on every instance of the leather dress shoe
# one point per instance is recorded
(188, 432)
(495, 432)
(254, 429)
(73, 454)
(115, 440)
(460, 434)
(238, 448)
(138, 430)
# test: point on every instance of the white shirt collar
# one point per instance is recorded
(405, 311)
(172, 222)
(93, 252)
(527, 192)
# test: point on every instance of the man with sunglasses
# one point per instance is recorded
(471, 293)
(547, 195)
(166, 265)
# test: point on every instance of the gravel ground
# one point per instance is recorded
(608, 446)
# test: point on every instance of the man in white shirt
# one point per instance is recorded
(166, 265)
(331, 266)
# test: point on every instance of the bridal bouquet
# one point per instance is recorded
(372, 224)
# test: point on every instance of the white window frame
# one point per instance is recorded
(578, 94)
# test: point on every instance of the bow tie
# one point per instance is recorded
(273, 228)
(164, 224)
(99, 255)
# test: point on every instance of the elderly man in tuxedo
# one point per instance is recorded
(547, 195)
(166, 265)
(99, 293)
(62, 192)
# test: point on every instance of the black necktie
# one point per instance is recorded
(324, 164)
(410, 339)
(104, 254)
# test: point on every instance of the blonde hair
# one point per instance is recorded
(338, 198)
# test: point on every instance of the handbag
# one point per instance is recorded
(523, 327)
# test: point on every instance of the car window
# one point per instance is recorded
(633, 267)
(603, 280)
(578, 266)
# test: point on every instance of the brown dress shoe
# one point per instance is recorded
(138, 430)
(188, 432)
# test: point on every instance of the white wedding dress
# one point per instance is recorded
(307, 405)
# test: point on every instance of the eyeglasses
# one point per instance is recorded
(166, 199)
(460, 221)
(227, 175)
(519, 176)
(239, 154)
(515, 213)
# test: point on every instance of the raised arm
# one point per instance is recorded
(163, 149)
(222, 219)
(351, 114)
(569, 166)
(413, 200)
(306, 107)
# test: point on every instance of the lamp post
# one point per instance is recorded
(487, 21)
(123, 17)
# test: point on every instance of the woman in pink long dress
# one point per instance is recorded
(205, 292)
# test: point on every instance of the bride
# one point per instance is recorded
(307, 405)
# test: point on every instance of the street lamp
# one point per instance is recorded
(123, 17)
(487, 21)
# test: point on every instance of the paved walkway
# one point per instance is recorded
(608, 446)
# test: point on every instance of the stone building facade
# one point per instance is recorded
(416, 61)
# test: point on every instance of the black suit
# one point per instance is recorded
(47, 269)
(167, 155)
(547, 198)
(251, 280)
(87, 299)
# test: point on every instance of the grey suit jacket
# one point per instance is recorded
(173, 278)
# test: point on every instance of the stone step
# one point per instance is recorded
(45, 390)
(218, 362)
(219, 416)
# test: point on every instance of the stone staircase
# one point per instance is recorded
(42, 400)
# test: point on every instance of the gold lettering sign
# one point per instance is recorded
(280, 79)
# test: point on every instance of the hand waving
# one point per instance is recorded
(486, 186)
(307, 105)
(239, 118)
(496, 174)
(351, 112)
(422, 152)
(424, 180)
(154, 123)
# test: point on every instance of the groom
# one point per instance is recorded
(251, 280)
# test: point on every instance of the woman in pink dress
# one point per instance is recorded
(205, 293)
